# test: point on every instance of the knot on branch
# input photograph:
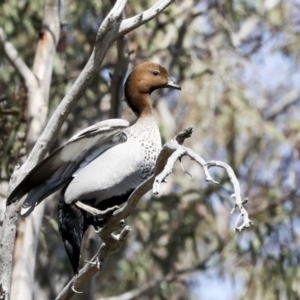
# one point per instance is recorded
(138, 18)
(184, 134)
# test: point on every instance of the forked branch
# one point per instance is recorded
(184, 151)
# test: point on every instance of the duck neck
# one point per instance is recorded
(141, 105)
(146, 118)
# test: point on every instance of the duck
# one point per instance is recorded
(99, 167)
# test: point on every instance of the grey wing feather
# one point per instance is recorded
(59, 168)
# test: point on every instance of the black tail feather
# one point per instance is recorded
(72, 227)
(73, 223)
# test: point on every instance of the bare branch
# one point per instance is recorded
(167, 170)
(237, 195)
(15, 59)
(119, 75)
(136, 21)
(111, 18)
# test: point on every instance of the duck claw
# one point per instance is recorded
(98, 263)
(122, 223)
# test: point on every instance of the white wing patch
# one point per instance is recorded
(121, 137)
(92, 156)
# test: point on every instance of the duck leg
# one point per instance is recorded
(96, 212)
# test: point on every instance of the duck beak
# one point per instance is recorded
(172, 84)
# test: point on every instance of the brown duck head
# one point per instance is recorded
(142, 81)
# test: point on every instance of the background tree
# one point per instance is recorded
(238, 65)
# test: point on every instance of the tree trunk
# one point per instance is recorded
(38, 97)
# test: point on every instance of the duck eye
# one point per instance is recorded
(155, 73)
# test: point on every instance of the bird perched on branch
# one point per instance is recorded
(99, 167)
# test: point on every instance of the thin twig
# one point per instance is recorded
(183, 169)
(237, 194)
